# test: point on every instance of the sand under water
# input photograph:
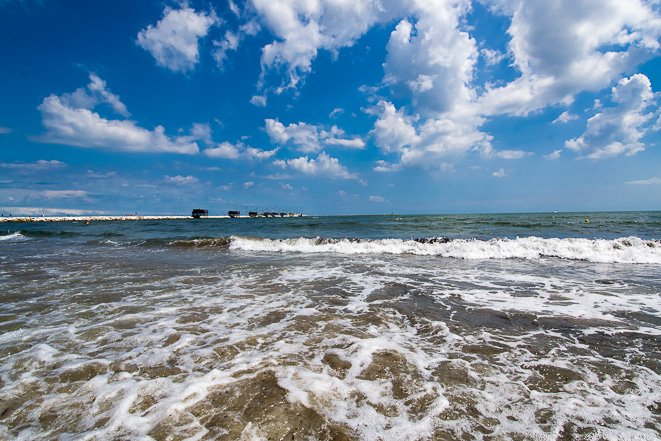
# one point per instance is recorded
(172, 330)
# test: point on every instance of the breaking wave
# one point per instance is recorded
(623, 250)
(12, 237)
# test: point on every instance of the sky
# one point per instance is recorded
(329, 106)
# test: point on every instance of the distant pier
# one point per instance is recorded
(6, 219)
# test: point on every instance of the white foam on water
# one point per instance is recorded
(624, 250)
(336, 335)
(13, 237)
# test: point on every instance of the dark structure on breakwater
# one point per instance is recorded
(198, 213)
(234, 213)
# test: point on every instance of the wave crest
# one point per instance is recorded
(12, 237)
(215, 242)
(623, 250)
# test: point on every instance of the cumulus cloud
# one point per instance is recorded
(308, 138)
(430, 59)
(181, 180)
(554, 155)
(226, 150)
(618, 130)
(384, 166)
(201, 132)
(564, 117)
(69, 119)
(302, 28)
(83, 128)
(248, 184)
(174, 41)
(564, 47)
(556, 50)
(378, 199)
(429, 143)
(258, 100)
(93, 94)
(499, 174)
(324, 165)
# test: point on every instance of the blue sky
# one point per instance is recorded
(329, 107)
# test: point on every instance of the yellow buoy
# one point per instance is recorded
(587, 220)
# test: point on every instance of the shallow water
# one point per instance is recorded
(184, 330)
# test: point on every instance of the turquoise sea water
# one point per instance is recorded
(401, 327)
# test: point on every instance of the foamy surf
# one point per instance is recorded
(172, 331)
(13, 237)
(624, 250)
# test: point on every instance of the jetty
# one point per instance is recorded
(133, 217)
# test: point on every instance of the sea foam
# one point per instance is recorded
(623, 250)
(13, 237)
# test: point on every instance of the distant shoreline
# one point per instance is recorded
(98, 218)
(18, 219)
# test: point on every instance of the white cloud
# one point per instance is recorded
(39, 165)
(499, 174)
(232, 40)
(69, 120)
(554, 155)
(98, 86)
(650, 181)
(353, 143)
(83, 128)
(433, 142)
(564, 117)
(287, 187)
(337, 111)
(94, 94)
(248, 184)
(429, 58)
(564, 47)
(393, 131)
(511, 154)
(301, 28)
(253, 153)
(181, 180)
(174, 41)
(378, 199)
(62, 194)
(5, 130)
(556, 50)
(384, 166)
(308, 138)
(93, 174)
(618, 130)
(324, 165)
(258, 100)
(201, 132)
(492, 57)
(226, 150)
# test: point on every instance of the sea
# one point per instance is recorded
(542, 326)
